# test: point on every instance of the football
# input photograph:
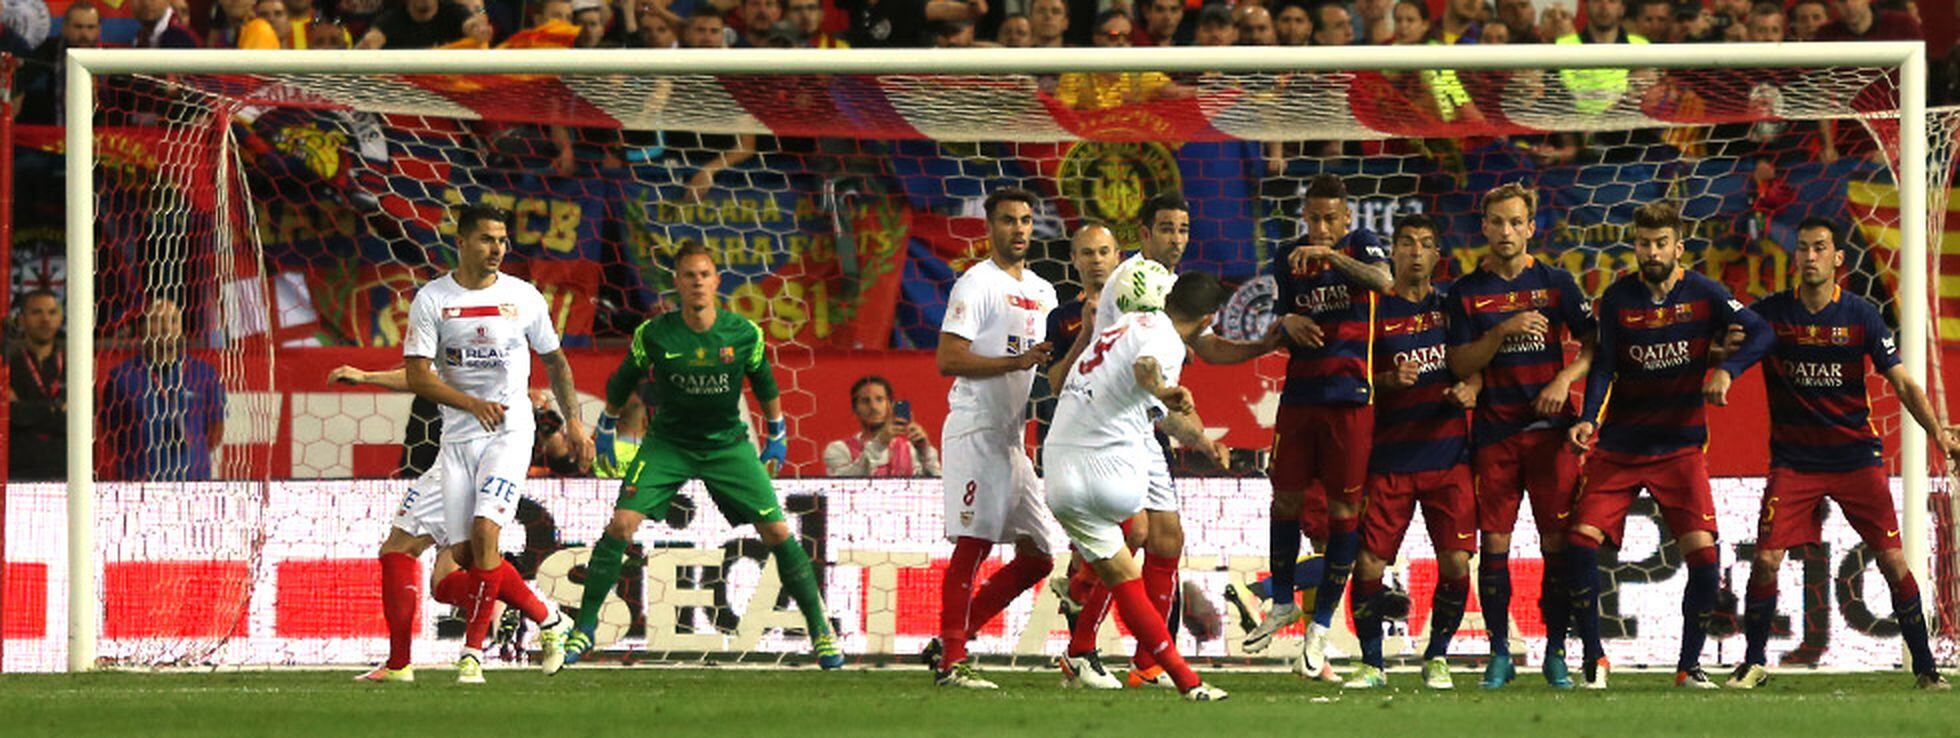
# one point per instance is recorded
(1142, 286)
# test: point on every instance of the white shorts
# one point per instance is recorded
(1162, 495)
(1092, 492)
(992, 493)
(477, 478)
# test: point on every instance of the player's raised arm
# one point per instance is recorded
(1216, 349)
(956, 358)
(395, 379)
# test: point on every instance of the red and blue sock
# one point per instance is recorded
(1494, 589)
(1284, 547)
(1343, 544)
(1911, 616)
(1445, 614)
(1758, 614)
(1582, 582)
(1555, 606)
(1368, 620)
(1698, 604)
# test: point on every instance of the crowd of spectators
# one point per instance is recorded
(414, 24)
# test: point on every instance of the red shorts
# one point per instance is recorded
(1792, 517)
(1449, 507)
(1322, 450)
(1678, 483)
(1539, 462)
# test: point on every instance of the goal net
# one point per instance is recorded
(286, 218)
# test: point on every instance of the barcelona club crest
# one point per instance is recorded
(1109, 181)
(728, 354)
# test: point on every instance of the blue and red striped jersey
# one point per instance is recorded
(1417, 428)
(1337, 373)
(1820, 418)
(1524, 364)
(1652, 358)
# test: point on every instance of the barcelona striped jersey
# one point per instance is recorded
(1524, 364)
(1337, 372)
(1820, 418)
(1417, 428)
(1652, 358)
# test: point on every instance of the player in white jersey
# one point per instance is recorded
(1098, 451)
(991, 342)
(477, 323)
(1166, 233)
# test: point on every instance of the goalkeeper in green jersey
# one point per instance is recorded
(696, 359)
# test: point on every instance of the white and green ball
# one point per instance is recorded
(1142, 286)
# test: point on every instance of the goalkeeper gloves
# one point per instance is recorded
(602, 440)
(776, 451)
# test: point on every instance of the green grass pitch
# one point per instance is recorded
(796, 702)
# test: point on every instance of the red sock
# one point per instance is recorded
(1019, 575)
(1088, 623)
(454, 589)
(1153, 637)
(1160, 584)
(479, 598)
(512, 590)
(956, 597)
(399, 595)
(1081, 578)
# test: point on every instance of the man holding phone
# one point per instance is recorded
(887, 443)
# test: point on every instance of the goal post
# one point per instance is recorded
(341, 72)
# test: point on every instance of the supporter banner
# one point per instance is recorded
(285, 575)
(351, 208)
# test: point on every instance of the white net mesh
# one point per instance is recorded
(298, 213)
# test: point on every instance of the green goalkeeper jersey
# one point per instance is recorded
(696, 378)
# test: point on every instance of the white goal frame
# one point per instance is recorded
(84, 597)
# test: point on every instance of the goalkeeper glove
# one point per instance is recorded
(776, 451)
(602, 440)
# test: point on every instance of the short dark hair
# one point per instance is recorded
(1326, 187)
(471, 216)
(868, 380)
(1636, 5)
(39, 292)
(1422, 8)
(1831, 226)
(79, 7)
(1659, 214)
(704, 10)
(1161, 202)
(1110, 15)
(1417, 221)
(1195, 295)
(1215, 15)
(1010, 194)
(690, 247)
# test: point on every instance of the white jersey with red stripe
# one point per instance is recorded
(1002, 315)
(477, 340)
(1101, 405)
